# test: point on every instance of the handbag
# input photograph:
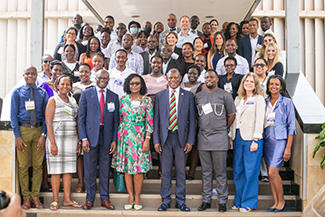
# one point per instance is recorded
(118, 181)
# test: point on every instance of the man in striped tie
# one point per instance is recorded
(173, 136)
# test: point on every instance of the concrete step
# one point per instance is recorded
(152, 186)
(285, 173)
(152, 212)
(154, 200)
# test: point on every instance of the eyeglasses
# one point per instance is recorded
(230, 65)
(134, 83)
(259, 65)
(71, 33)
(108, 22)
(47, 61)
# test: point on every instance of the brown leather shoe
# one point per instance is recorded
(108, 205)
(37, 204)
(88, 205)
(26, 204)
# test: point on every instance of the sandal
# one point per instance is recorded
(73, 204)
(245, 209)
(79, 188)
(54, 205)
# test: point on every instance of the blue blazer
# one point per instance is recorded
(185, 117)
(285, 121)
(89, 117)
(245, 48)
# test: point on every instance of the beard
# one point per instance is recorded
(209, 86)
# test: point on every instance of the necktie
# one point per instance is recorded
(172, 112)
(32, 112)
(193, 31)
(101, 106)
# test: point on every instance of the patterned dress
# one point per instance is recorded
(66, 138)
(134, 123)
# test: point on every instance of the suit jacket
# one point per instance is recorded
(57, 56)
(163, 35)
(186, 118)
(251, 119)
(285, 121)
(89, 117)
(146, 62)
(235, 83)
(175, 64)
(245, 48)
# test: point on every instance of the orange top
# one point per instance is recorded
(87, 60)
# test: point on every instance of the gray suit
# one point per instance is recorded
(146, 62)
(213, 141)
(163, 35)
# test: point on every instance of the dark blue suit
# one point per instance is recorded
(245, 48)
(100, 139)
(173, 144)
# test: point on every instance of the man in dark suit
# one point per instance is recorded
(98, 121)
(195, 22)
(168, 63)
(171, 22)
(251, 44)
(173, 136)
(146, 56)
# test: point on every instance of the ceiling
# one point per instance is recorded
(158, 10)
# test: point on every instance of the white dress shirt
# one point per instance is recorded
(253, 46)
(242, 67)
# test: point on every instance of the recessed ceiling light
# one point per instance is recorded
(209, 16)
(135, 16)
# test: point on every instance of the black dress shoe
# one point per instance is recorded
(204, 206)
(222, 207)
(182, 207)
(163, 207)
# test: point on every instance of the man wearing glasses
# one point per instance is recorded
(98, 120)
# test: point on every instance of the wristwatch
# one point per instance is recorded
(43, 134)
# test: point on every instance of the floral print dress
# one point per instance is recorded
(135, 120)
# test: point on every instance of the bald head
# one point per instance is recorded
(30, 75)
(174, 78)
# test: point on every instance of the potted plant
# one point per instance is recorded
(321, 143)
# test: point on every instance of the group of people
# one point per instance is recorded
(112, 98)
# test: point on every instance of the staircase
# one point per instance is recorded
(151, 199)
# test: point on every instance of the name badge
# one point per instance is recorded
(207, 108)
(174, 56)
(271, 73)
(85, 43)
(205, 45)
(250, 101)
(160, 79)
(258, 48)
(76, 73)
(135, 104)
(110, 107)
(29, 105)
(228, 87)
(271, 118)
(119, 81)
(68, 110)
(60, 51)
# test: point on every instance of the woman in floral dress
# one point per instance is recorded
(132, 156)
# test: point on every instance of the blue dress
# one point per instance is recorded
(275, 137)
